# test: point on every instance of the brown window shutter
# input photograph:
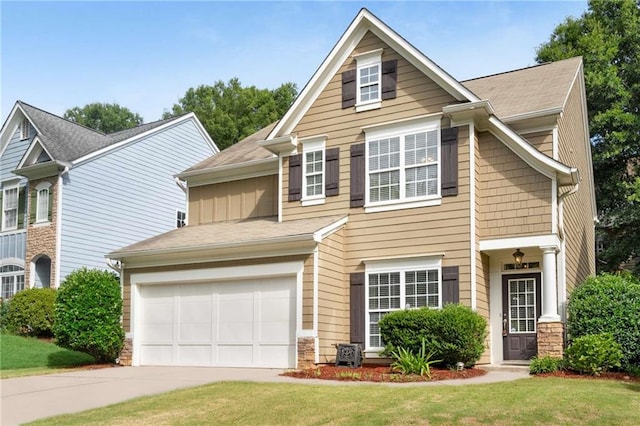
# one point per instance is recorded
(389, 79)
(33, 207)
(357, 175)
(357, 307)
(349, 88)
(22, 206)
(450, 285)
(332, 176)
(295, 177)
(449, 167)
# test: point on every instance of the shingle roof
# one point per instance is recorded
(243, 151)
(527, 90)
(221, 234)
(68, 141)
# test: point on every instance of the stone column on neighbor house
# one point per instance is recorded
(126, 354)
(306, 352)
(550, 327)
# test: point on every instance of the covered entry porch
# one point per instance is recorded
(527, 296)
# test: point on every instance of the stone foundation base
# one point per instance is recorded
(126, 353)
(550, 339)
(306, 352)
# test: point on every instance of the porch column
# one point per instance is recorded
(549, 286)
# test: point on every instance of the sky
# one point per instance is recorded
(145, 55)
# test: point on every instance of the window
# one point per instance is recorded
(42, 203)
(403, 285)
(12, 280)
(368, 78)
(313, 160)
(403, 164)
(25, 129)
(10, 209)
(181, 219)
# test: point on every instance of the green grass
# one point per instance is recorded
(535, 401)
(21, 356)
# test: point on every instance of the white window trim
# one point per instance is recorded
(400, 131)
(397, 265)
(39, 214)
(312, 145)
(4, 200)
(14, 275)
(365, 60)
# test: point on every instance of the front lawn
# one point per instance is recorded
(528, 401)
(24, 356)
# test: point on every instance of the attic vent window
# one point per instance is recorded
(25, 129)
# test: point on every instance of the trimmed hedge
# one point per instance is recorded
(454, 333)
(88, 311)
(31, 312)
(608, 304)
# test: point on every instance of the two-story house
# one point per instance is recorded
(387, 185)
(70, 194)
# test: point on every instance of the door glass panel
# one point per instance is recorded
(522, 305)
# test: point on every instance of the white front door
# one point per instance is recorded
(248, 323)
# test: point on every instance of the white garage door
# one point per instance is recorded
(226, 324)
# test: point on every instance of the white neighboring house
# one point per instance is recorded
(70, 194)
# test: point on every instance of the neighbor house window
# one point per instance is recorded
(43, 202)
(12, 280)
(392, 286)
(10, 209)
(25, 129)
(403, 164)
(181, 219)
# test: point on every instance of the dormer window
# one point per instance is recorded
(25, 129)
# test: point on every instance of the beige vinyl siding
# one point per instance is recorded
(515, 199)
(241, 199)
(543, 141)
(126, 310)
(333, 302)
(578, 210)
(307, 294)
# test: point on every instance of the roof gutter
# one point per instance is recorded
(40, 170)
(230, 172)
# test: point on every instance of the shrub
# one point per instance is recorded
(594, 354)
(4, 312)
(409, 363)
(608, 304)
(31, 312)
(454, 333)
(546, 364)
(88, 310)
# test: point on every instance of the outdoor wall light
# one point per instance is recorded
(517, 257)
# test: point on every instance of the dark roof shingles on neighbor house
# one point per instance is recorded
(67, 141)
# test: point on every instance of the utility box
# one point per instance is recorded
(348, 355)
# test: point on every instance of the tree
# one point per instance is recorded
(607, 36)
(230, 112)
(105, 118)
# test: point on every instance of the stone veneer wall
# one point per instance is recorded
(41, 237)
(126, 354)
(306, 352)
(550, 339)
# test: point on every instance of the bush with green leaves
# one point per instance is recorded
(31, 313)
(88, 311)
(594, 354)
(4, 314)
(546, 364)
(454, 333)
(608, 304)
(408, 362)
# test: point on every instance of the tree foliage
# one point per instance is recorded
(230, 112)
(105, 118)
(607, 36)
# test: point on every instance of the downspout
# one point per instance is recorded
(563, 263)
(180, 184)
(118, 267)
(61, 175)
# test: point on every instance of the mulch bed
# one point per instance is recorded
(610, 375)
(379, 373)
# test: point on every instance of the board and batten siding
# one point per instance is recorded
(575, 150)
(333, 302)
(398, 233)
(515, 199)
(239, 199)
(126, 195)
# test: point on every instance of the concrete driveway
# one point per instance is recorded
(26, 399)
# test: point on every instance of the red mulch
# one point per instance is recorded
(609, 375)
(379, 373)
